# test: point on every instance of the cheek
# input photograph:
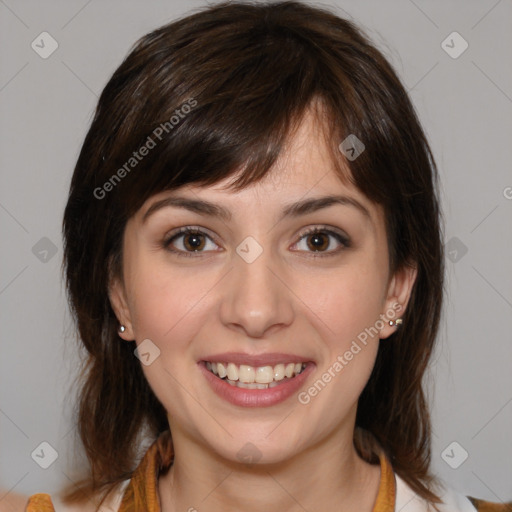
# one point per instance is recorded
(349, 307)
(169, 307)
(164, 299)
(347, 302)
(166, 310)
(345, 308)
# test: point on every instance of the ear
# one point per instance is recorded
(398, 294)
(117, 296)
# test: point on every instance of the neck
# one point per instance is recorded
(326, 477)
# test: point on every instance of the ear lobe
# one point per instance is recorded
(117, 297)
(399, 293)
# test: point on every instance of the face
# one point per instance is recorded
(270, 282)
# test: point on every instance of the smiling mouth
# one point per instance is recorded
(259, 377)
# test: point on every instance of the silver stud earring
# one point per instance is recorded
(121, 329)
(398, 322)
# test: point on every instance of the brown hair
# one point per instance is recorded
(248, 72)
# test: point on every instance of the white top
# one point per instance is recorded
(406, 500)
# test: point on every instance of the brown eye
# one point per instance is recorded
(322, 241)
(318, 241)
(194, 241)
(189, 242)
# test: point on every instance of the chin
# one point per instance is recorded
(259, 448)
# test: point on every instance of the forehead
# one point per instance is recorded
(303, 170)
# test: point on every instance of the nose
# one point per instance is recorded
(256, 298)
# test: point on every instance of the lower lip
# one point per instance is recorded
(255, 397)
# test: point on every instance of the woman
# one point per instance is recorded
(254, 259)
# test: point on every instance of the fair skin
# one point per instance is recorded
(292, 299)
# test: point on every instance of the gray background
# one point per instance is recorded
(465, 104)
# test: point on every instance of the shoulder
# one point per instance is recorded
(486, 506)
(452, 501)
(11, 501)
(44, 503)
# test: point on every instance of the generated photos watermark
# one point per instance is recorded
(156, 136)
(344, 359)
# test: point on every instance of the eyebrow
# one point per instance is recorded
(297, 209)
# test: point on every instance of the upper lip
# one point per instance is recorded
(270, 359)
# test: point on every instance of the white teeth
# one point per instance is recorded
(232, 372)
(221, 370)
(264, 374)
(251, 377)
(288, 371)
(251, 385)
(279, 372)
(246, 373)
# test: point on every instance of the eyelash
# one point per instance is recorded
(189, 230)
